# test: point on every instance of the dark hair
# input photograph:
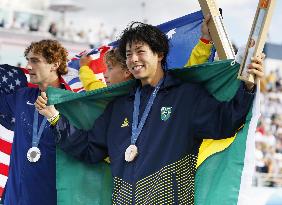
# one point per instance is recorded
(52, 51)
(140, 32)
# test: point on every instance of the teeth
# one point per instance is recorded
(137, 67)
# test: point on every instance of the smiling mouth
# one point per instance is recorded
(138, 67)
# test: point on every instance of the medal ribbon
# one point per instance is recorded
(36, 136)
(137, 128)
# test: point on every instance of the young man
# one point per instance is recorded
(32, 174)
(153, 159)
(117, 71)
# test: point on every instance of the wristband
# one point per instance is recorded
(54, 122)
(206, 41)
(53, 117)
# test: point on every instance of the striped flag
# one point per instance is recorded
(97, 65)
(6, 139)
(11, 79)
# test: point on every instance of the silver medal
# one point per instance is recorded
(33, 154)
(130, 153)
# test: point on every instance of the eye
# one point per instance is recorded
(34, 60)
(128, 55)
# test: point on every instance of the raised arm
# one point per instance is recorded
(217, 120)
(87, 76)
(202, 51)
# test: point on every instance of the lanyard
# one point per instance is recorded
(137, 128)
(37, 135)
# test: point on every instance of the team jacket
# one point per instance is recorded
(29, 183)
(182, 115)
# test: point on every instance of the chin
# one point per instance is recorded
(139, 76)
(33, 82)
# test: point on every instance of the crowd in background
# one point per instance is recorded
(68, 32)
(269, 133)
(95, 37)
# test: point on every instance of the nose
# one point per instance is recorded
(134, 57)
(28, 66)
(106, 74)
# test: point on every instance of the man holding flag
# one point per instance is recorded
(32, 173)
(117, 72)
(153, 154)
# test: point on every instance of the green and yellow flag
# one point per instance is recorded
(221, 163)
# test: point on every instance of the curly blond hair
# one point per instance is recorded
(52, 51)
(113, 57)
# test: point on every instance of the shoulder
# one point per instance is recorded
(179, 83)
(27, 93)
(28, 90)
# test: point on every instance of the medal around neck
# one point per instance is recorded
(131, 153)
(33, 154)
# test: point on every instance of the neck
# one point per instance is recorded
(54, 83)
(154, 79)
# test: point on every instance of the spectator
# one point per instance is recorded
(53, 29)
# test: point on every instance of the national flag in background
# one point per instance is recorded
(97, 65)
(183, 33)
(11, 79)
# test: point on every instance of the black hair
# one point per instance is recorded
(140, 32)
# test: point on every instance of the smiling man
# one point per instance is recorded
(32, 177)
(153, 155)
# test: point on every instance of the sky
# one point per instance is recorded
(238, 15)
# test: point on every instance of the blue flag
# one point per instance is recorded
(12, 78)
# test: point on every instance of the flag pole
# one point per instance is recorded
(257, 37)
(218, 33)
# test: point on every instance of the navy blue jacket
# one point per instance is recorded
(183, 114)
(29, 183)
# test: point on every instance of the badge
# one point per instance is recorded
(130, 153)
(165, 113)
(33, 154)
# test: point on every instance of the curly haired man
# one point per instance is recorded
(32, 174)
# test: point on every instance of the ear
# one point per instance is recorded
(55, 66)
(127, 74)
(160, 56)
